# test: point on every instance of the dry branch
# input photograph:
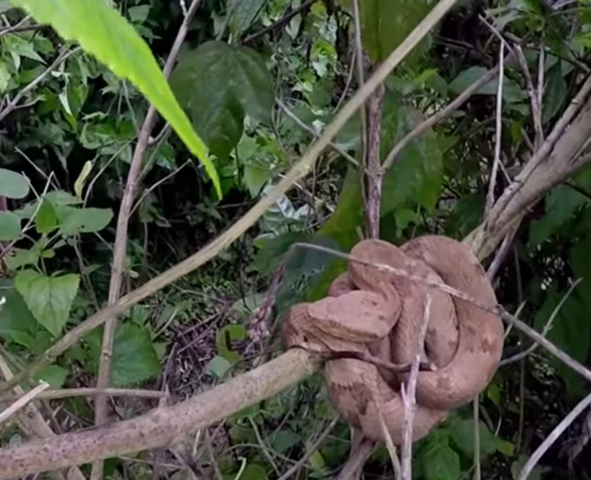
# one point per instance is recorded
(161, 426)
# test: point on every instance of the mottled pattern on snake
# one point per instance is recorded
(376, 312)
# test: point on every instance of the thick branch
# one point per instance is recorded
(160, 426)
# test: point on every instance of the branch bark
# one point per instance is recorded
(161, 426)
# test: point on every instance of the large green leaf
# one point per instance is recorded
(104, 33)
(134, 356)
(12, 184)
(83, 220)
(48, 298)
(512, 92)
(10, 226)
(440, 461)
(462, 437)
(17, 323)
(242, 13)
(386, 23)
(219, 84)
(571, 328)
(561, 203)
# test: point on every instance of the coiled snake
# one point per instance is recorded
(375, 312)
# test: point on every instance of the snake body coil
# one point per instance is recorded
(375, 312)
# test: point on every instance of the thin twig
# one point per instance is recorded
(536, 107)
(545, 330)
(17, 98)
(554, 435)
(310, 451)
(91, 392)
(17, 27)
(408, 391)
(279, 23)
(425, 125)
(314, 133)
(23, 401)
(120, 248)
(490, 198)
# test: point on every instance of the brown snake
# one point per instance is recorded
(375, 312)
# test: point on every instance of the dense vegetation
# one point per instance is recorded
(259, 80)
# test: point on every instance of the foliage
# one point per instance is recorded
(65, 154)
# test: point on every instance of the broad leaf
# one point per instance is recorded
(252, 471)
(571, 328)
(48, 298)
(10, 226)
(219, 84)
(12, 184)
(83, 220)
(555, 93)
(54, 375)
(462, 437)
(46, 218)
(134, 356)
(441, 462)
(561, 203)
(104, 33)
(511, 90)
(17, 323)
(242, 13)
(386, 23)
(218, 366)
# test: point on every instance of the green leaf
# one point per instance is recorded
(104, 33)
(512, 92)
(48, 298)
(242, 13)
(218, 367)
(219, 84)
(83, 220)
(282, 440)
(571, 326)
(13, 185)
(555, 93)
(252, 471)
(385, 24)
(17, 323)
(21, 257)
(4, 77)
(440, 461)
(224, 337)
(466, 215)
(10, 226)
(256, 175)
(134, 356)
(54, 375)
(46, 218)
(462, 437)
(561, 203)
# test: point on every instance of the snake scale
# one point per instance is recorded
(377, 313)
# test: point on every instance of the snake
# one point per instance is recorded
(375, 312)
